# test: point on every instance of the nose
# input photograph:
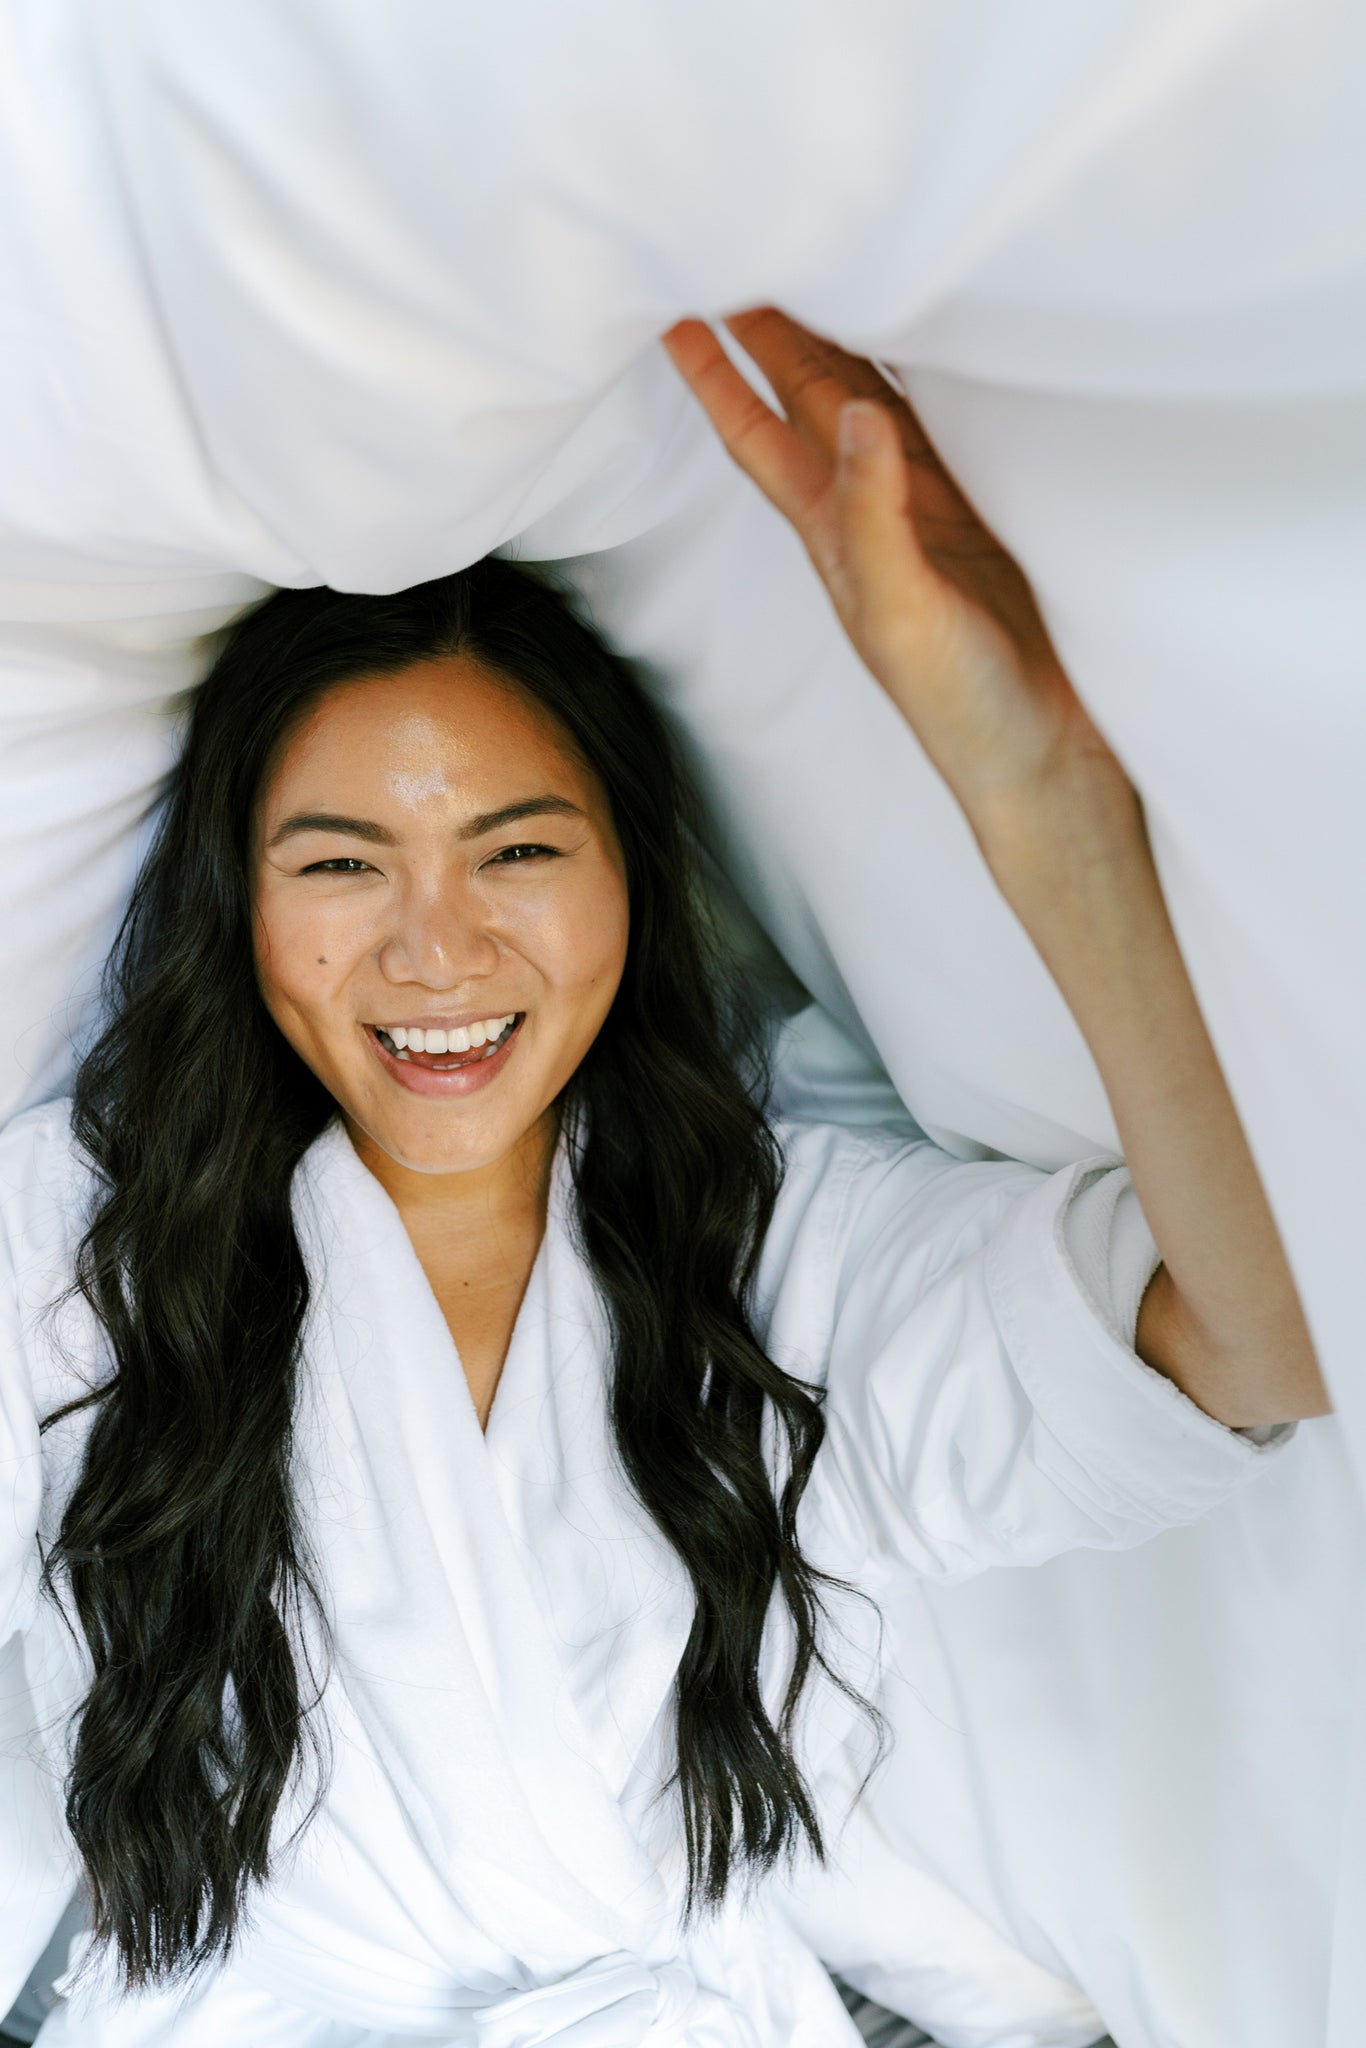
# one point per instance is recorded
(442, 937)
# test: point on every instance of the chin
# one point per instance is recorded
(434, 1150)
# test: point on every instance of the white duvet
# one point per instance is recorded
(299, 292)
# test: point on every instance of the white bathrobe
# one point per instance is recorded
(494, 1863)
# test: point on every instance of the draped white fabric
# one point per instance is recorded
(328, 292)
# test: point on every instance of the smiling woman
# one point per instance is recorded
(344, 855)
(474, 1429)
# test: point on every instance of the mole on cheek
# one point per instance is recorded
(321, 961)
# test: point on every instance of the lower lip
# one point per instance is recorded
(456, 1080)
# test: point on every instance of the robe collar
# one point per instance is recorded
(507, 1619)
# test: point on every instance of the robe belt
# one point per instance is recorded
(616, 2001)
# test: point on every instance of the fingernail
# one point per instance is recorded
(857, 427)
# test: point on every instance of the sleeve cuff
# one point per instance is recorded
(1067, 1274)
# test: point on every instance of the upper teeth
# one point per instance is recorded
(411, 1039)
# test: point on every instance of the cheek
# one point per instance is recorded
(613, 932)
(304, 950)
(589, 942)
(574, 936)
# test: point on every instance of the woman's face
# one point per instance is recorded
(433, 857)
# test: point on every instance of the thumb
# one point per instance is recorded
(886, 574)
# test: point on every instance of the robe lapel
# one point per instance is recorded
(616, 1600)
(450, 1657)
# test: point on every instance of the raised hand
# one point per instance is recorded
(939, 612)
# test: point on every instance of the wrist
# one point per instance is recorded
(1072, 831)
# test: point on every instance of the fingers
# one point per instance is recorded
(853, 497)
(812, 377)
(791, 475)
(888, 579)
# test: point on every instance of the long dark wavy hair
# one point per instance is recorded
(182, 1556)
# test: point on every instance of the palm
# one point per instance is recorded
(939, 612)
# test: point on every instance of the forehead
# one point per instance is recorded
(444, 730)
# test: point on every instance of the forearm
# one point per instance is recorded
(1222, 1317)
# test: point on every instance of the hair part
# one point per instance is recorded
(181, 1550)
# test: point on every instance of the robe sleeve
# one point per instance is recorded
(984, 1403)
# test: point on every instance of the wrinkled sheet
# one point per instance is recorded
(301, 293)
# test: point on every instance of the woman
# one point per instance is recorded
(475, 1438)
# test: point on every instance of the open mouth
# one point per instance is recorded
(449, 1052)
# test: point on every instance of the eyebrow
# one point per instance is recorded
(330, 821)
(377, 835)
(512, 814)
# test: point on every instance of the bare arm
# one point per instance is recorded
(946, 622)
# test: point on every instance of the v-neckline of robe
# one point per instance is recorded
(547, 1452)
(535, 1276)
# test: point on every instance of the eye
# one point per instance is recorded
(514, 856)
(343, 865)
